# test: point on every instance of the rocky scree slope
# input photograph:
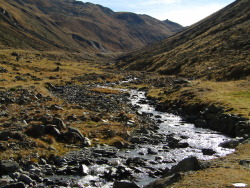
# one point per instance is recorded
(76, 26)
(214, 48)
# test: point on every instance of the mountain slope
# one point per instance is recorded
(76, 26)
(217, 47)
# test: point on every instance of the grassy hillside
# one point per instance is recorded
(76, 26)
(214, 48)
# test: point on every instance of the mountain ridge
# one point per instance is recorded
(215, 48)
(76, 26)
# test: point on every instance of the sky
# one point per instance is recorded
(184, 12)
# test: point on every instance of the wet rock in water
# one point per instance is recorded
(136, 162)
(159, 158)
(83, 170)
(163, 182)
(125, 184)
(110, 173)
(173, 141)
(183, 145)
(200, 123)
(152, 151)
(7, 167)
(230, 144)
(208, 151)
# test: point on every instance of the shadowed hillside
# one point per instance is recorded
(76, 26)
(214, 48)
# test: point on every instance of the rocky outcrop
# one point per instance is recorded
(209, 116)
(173, 175)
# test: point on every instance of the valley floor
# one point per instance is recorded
(27, 79)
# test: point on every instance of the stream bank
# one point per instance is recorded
(153, 152)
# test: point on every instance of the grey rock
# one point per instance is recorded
(125, 184)
(230, 144)
(83, 170)
(5, 180)
(208, 151)
(136, 140)
(187, 164)
(152, 151)
(164, 182)
(15, 185)
(25, 178)
(200, 123)
(52, 130)
(59, 123)
(42, 161)
(75, 130)
(7, 167)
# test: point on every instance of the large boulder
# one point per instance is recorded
(164, 182)
(187, 164)
(7, 167)
(124, 184)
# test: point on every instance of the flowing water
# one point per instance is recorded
(169, 124)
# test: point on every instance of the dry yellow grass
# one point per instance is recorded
(234, 96)
(224, 172)
(106, 90)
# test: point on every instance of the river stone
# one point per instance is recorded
(84, 170)
(7, 167)
(200, 123)
(230, 144)
(152, 151)
(5, 180)
(208, 151)
(124, 184)
(187, 164)
(164, 182)
(25, 178)
(15, 185)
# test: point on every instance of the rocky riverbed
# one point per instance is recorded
(162, 144)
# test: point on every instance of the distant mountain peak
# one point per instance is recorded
(77, 26)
